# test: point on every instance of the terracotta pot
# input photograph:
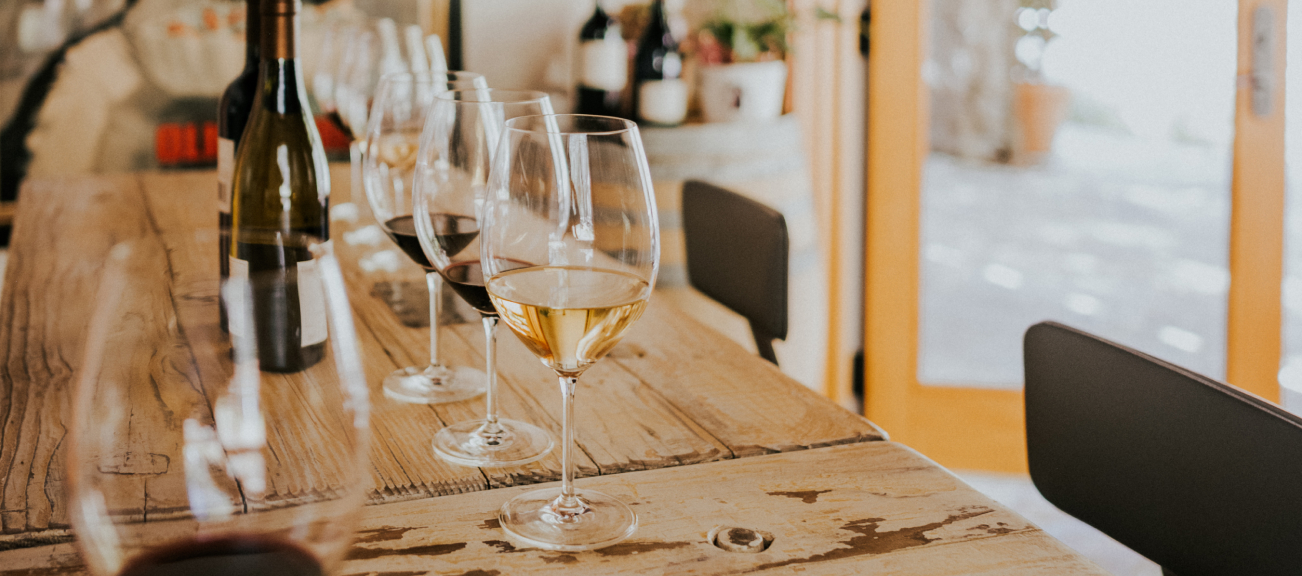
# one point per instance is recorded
(1039, 109)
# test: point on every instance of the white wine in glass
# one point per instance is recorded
(571, 195)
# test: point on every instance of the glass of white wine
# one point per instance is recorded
(571, 196)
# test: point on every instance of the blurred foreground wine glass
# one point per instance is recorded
(185, 458)
(570, 195)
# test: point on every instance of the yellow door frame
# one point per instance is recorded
(983, 429)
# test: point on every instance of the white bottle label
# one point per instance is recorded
(603, 64)
(311, 303)
(662, 101)
(237, 299)
(225, 173)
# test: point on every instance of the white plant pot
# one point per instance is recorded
(750, 91)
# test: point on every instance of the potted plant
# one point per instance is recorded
(741, 51)
(1039, 106)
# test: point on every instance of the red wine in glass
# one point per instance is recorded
(467, 279)
(236, 555)
(453, 233)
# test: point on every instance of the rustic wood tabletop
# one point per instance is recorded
(679, 421)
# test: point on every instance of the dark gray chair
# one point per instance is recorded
(1196, 475)
(737, 254)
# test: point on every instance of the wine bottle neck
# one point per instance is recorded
(658, 13)
(281, 82)
(280, 29)
(252, 33)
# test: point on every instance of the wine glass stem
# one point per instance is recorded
(568, 502)
(435, 284)
(355, 167)
(490, 358)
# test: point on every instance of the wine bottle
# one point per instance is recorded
(661, 93)
(232, 115)
(280, 201)
(602, 66)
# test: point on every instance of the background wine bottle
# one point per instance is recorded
(660, 92)
(281, 199)
(602, 67)
(232, 115)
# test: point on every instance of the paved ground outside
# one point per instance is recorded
(1123, 238)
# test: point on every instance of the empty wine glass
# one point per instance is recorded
(571, 196)
(393, 134)
(456, 151)
(184, 457)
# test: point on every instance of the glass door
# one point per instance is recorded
(1084, 161)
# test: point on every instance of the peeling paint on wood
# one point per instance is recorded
(806, 496)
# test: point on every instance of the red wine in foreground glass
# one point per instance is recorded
(250, 472)
(228, 556)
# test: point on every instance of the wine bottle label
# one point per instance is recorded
(225, 173)
(311, 303)
(237, 299)
(603, 64)
(662, 101)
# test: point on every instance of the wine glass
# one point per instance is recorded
(397, 117)
(184, 457)
(572, 196)
(455, 155)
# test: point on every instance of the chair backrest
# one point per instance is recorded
(737, 254)
(1196, 475)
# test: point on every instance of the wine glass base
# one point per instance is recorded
(531, 518)
(434, 384)
(521, 443)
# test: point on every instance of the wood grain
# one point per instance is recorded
(744, 404)
(870, 508)
(674, 393)
(50, 277)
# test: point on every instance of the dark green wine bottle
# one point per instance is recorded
(232, 115)
(280, 203)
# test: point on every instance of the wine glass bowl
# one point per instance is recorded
(572, 196)
(184, 456)
(456, 151)
(398, 116)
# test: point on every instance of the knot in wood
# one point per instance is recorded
(737, 539)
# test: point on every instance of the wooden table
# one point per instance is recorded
(678, 421)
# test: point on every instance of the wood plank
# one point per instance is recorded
(44, 305)
(746, 405)
(674, 393)
(871, 508)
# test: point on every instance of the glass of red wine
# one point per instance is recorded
(393, 134)
(185, 458)
(456, 150)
